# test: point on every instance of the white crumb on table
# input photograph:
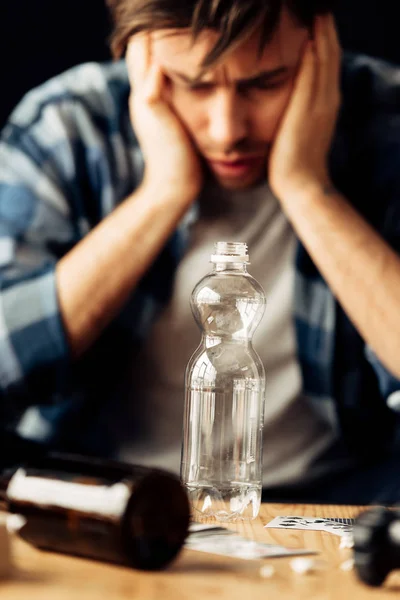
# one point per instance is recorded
(347, 565)
(267, 571)
(303, 565)
(346, 541)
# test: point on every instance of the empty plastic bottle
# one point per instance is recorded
(221, 463)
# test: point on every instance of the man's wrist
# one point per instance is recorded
(308, 189)
(167, 194)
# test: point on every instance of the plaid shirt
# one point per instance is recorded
(68, 156)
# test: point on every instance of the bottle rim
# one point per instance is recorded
(230, 252)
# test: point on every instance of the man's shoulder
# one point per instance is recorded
(366, 152)
(98, 89)
(369, 124)
(72, 137)
(370, 85)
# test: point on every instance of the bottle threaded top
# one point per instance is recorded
(230, 252)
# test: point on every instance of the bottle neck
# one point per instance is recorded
(231, 267)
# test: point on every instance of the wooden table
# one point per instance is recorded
(200, 576)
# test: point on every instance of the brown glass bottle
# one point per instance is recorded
(103, 510)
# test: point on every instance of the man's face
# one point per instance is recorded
(233, 111)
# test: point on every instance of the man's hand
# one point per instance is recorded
(171, 162)
(360, 268)
(299, 156)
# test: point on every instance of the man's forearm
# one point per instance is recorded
(96, 277)
(360, 268)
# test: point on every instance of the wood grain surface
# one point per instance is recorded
(199, 576)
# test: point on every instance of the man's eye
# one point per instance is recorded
(199, 87)
(265, 86)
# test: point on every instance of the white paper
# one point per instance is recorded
(222, 541)
(335, 526)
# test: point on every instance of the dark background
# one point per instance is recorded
(40, 38)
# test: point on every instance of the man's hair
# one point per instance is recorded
(234, 20)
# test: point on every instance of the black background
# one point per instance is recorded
(40, 38)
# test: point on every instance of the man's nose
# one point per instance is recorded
(227, 120)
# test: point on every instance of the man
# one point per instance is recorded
(239, 132)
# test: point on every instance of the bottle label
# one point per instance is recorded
(88, 498)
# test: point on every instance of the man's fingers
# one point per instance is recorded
(334, 48)
(328, 57)
(334, 43)
(304, 87)
(154, 84)
(146, 76)
(320, 38)
(138, 59)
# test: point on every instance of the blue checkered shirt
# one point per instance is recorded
(68, 157)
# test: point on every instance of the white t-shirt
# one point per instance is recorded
(295, 436)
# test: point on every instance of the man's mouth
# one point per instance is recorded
(238, 168)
